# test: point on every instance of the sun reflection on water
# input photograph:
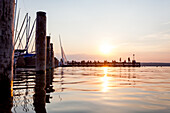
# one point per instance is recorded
(105, 80)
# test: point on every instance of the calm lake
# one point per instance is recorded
(93, 90)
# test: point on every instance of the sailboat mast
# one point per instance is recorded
(16, 28)
(16, 3)
(64, 59)
(27, 33)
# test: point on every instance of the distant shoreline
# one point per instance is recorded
(155, 64)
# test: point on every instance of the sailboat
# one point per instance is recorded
(63, 61)
(19, 49)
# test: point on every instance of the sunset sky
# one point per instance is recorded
(121, 27)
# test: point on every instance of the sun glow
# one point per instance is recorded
(106, 49)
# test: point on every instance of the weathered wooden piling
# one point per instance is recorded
(6, 53)
(51, 56)
(48, 53)
(41, 42)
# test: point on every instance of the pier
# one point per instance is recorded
(102, 64)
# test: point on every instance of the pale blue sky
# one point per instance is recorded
(131, 26)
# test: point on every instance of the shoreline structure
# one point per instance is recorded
(101, 64)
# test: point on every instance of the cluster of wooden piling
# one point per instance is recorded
(44, 57)
(44, 51)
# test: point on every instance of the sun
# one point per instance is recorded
(106, 48)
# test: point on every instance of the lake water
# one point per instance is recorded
(93, 90)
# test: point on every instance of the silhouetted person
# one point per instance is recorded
(128, 59)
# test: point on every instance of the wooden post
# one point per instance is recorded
(6, 53)
(52, 56)
(41, 42)
(48, 53)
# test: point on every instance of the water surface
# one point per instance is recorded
(93, 90)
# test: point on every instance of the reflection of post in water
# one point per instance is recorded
(6, 96)
(120, 72)
(25, 106)
(62, 73)
(61, 83)
(49, 86)
(40, 93)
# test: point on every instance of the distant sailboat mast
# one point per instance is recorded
(64, 59)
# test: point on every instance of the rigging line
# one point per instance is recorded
(62, 52)
(15, 12)
(21, 43)
(63, 55)
(61, 47)
(17, 24)
(31, 39)
(64, 59)
(26, 47)
(27, 37)
(60, 41)
(20, 29)
(33, 46)
(26, 34)
(28, 29)
(22, 37)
